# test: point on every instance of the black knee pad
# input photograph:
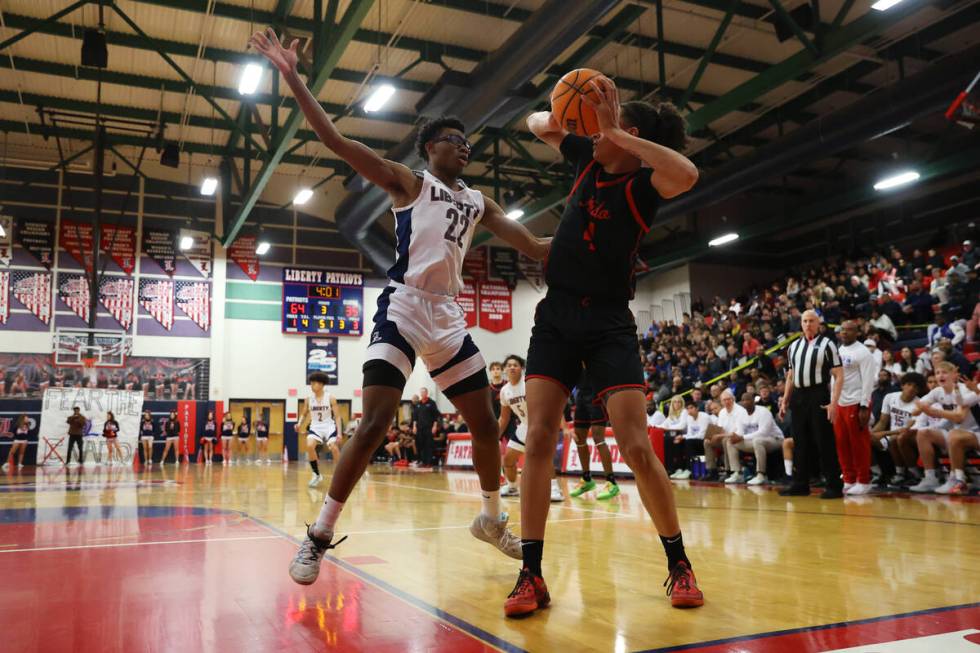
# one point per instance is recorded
(473, 382)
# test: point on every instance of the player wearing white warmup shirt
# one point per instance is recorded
(435, 219)
(952, 402)
(755, 432)
(513, 400)
(321, 414)
(895, 430)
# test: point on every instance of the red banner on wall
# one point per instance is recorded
(467, 301)
(76, 239)
(475, 263)
(187, 416)
(120, 244)
(242, 251)
(495, 306)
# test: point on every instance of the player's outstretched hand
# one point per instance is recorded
(267, 43)
(607, 106)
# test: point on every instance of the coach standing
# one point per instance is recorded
(854, 411)
(813, 360)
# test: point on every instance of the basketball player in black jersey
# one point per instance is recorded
(621, 176)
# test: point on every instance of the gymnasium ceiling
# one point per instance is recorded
(748, 74)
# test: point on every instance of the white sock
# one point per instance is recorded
(931, 474)
(491, 504)
(788, 466)
(900, 471)
(329, 512)
(960, 475)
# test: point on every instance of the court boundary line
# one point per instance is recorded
(109, 545)
(472, 630)
(805, 629)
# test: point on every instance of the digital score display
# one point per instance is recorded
(322, 302)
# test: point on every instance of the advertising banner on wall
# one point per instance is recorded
(116, 294)
(93, 403)
(467, 301)
(194, 299)
(6, 239)
(76, 239)
(242, 251)
(321, 356)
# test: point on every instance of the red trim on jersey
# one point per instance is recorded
(612, 182)
(548, 378)
(579, 180)
(621, 387)
(635, 211)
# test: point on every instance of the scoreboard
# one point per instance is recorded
(322, 302)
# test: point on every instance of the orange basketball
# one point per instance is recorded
(572, 113)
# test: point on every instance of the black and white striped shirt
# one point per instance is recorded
(811, 361)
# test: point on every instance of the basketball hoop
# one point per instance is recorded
(88, 363)
(965, 109)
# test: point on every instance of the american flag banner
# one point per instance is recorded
(116, 294)
(194, 299)
(73, 291)
(33, 290)
(4, 296)
(157, 297)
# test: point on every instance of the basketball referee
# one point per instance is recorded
(813, 360)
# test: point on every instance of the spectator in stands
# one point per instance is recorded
(728, 419)
(19, 387)
(755, 432)
(957, 270)
(673, 426)
(691, 443)
(971, 325)
(457, 425)
(918, 303)
(943, 328)
(883, 324)
(750, 346)
(970, 256)
(934, 259)
(906, 361)
(954, 356)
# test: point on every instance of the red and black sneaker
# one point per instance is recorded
(682, 587)
(529, 594)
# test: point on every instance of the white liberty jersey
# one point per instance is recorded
(900, 413)
(513, 395)
(434, 232)
(321, 415)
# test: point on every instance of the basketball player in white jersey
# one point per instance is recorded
(895, 430)
(320, 423)
(435, 216)
(513, 399)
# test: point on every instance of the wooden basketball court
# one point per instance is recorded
(194, 559)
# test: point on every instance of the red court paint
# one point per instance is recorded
(193, 583)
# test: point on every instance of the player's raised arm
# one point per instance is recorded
(396, 179)
(514, 233)
(673, 173)
(544, 125)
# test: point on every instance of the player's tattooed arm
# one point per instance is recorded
(514, 233)
(394, 178)
(673, 173)
(544, 125)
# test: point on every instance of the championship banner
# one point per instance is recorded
(495, 306)
(38, 239)
(116, 294)
(160, 245)
(194, 299)
(76, 239)
(242, 251)
(199, 253)
(157, 297)
(120, 244)
(503, 264)
(33, 290)
(475, 263)
(4, 296)
(93, 403)
(6, 239)
(532, 270)
(321, 356)
(467, 301)
(73, 291)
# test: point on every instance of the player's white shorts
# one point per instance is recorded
(412, 322)
(326, 437)
(146, 438)
(518, 438)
